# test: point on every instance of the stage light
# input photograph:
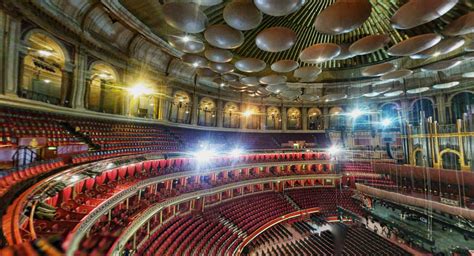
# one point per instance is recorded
(195, 64)
(204, 155)
(186, 38)
(47, 81)
(236, 152)
(45, 53)
(248, 113)
(139, 90)
(356, 113)
(386, 122)
(334, 150)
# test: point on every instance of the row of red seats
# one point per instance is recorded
(10, 178)
(328, 199)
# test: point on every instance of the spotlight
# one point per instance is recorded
(204, 155)
(356, 113)
(45, 53)
(236, 152)
(247, 113)
(195, 64)
(139, 90)
(186, 38)
(386, 122)
(47, 81)
(334, 150)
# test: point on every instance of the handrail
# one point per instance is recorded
(414, 201)
(150, 212)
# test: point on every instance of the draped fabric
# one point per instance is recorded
(66, 194)
(147, 165)
(122, 172)
(112, 174)
(53, 201)
(79, 186)
(101, 178)
(90, 183)
(131, 170)
(155, 164)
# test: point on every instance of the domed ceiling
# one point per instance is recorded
(259, 47)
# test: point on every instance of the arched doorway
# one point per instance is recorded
(102, 94)
(231, 115)
(462, 106)
(252, 116)
(421, 110)
(43, 75)
(207, 112)
(451, 161)
(419, 158)
(180, 108)
(273, 120)
(336, 119)
(294, 119)
(389, 116)
(315, 119)
(361, 122)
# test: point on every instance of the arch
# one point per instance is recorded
(101, 93)
(450, 98)
(60, 46)
(252, 115)
(231, 115)
(421, 108)
(418, 157)
(336, 119)
(273, 118)
(450, 159)
(180, 111)
(389, 111)
(293, 119)
(315, 119)
(44, 70)
(462, 104)
(207, 112)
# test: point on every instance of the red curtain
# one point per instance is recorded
(131, 170)
(79, 186)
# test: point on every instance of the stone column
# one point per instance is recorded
(66, 84)
(11, 47)
(441, 108)
(263, 118)
(243, 118)
(81, 82)
(326, 117)
(87, 91)
(304, 118)
(283, 119)
(220, 113)
(194, 112)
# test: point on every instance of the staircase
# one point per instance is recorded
(82, 137)
(289, 200)
(231, 226)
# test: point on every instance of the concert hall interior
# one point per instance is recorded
(236, 127)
